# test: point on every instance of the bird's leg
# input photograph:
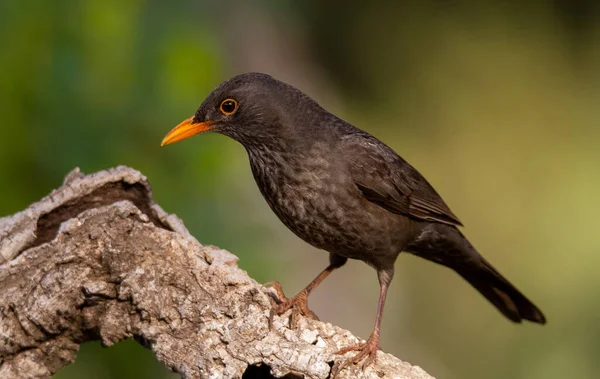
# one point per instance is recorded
(368, 350)
(299, 304)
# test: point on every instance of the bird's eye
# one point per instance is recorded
(228, 107)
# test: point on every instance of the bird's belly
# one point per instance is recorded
(341, 222)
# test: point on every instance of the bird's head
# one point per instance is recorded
(251, 108)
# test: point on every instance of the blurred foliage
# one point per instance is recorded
(495, 102)
(126, 359)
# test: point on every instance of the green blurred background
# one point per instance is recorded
(496, 104)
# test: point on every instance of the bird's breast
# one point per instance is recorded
(313, 195)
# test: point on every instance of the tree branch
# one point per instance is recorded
(97, 259)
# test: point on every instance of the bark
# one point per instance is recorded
(97, 259)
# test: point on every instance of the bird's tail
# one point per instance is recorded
(447, 246)
(500, 292)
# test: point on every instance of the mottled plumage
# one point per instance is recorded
(344, 191)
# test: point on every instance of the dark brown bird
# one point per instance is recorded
(342, 190)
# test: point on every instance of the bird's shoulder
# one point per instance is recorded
(386, 179)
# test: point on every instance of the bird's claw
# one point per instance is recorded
(281, 304)
(367, 353)
(279, 295)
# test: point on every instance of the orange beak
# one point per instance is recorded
(186, 129)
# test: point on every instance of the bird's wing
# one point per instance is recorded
(390, 182)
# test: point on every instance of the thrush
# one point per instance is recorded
(344, 191)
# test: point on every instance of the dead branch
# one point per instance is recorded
(97, 259)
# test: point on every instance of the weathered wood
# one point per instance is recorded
(97, 259)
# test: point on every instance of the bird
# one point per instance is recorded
(344, 191)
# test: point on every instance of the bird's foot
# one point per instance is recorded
(367, 353)
(281, 304)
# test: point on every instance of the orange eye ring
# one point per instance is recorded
(228, 107)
